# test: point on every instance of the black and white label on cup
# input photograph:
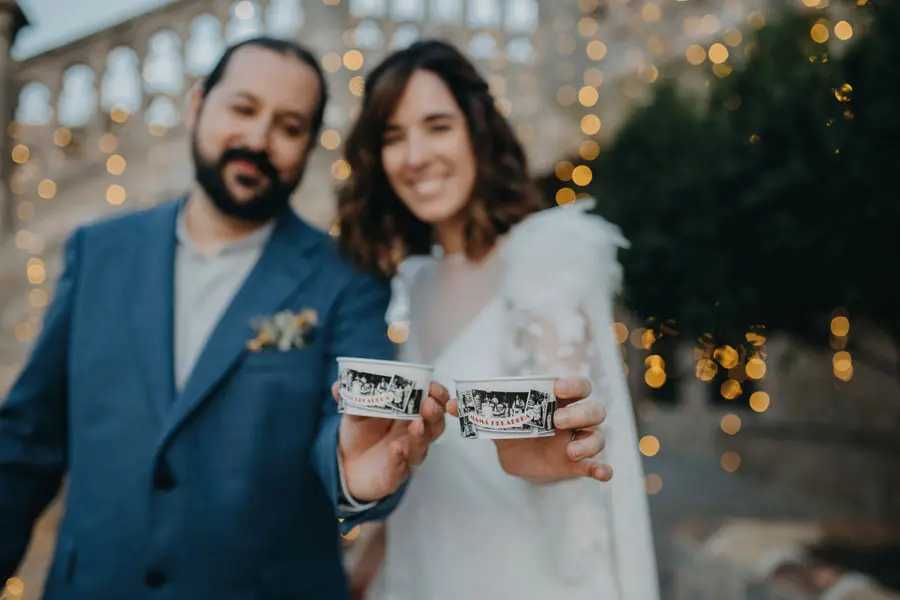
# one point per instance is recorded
(373, 394)
(490, 413)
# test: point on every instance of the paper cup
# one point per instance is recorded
(506, 407)
(382, 388)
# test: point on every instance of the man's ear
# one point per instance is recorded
(194, 102)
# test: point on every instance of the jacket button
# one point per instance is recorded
(163, 478)
(155, 579)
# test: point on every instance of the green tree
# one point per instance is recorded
(770, 204)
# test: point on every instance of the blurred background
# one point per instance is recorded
(747, 148)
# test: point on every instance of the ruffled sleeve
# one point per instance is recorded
(562, 277)
(402, 285)
(557, 261)
(399, 311)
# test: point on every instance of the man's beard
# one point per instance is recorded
(266, 205)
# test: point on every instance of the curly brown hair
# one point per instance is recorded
(377, 231)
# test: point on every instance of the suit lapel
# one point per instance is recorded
(152, 303)
(283, 266)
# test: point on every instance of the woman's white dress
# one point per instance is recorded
(541, 303)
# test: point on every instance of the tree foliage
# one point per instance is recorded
(771, 204)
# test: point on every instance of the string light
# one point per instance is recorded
(62, 136)
(819, 33)
(731, 389)
(330, 139)
(593, 77)
(332, 62)
(756, 368)
(15, 587)
(589, 150)
(340, 169)
(731, 424)
(651, 13)
(244, 10)
(730, 462)
(108, 143)
(727, 356)
(25, 211)
(649, 445)
(398, 332)
(47, 189)
(655, 360)
(565, 196)
(732, 37)
(38, 298)
(596, 50)
(722, 70)
(35, 271)
(590, 125)
(840, 326)
(119, 115)
(587, 27)
(115, 164)
(353, 60)
(706, 369)
(648, 73)
(582, 175)
(564, 170)
(20, 154)
(759, 401)
(588, 96)
(756, 20)
(115, 194)
(653, 484)
(655, 377)
(718, 53)
(695, 54)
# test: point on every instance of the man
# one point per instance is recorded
(205, 456)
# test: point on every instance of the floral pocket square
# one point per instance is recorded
(284, 330)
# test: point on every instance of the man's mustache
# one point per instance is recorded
(260, 160)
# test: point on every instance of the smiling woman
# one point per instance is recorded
(512, 291)
(430, 156)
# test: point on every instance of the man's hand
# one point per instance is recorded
(568, 454)
(379, 454)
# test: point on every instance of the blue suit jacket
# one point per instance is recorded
(226, 491)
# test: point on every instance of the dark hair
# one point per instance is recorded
(281, 46)
(377, 230)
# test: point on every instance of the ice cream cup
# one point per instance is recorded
(506, 407)
(382, 388)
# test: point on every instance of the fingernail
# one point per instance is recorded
(576, 450)
(561, 419)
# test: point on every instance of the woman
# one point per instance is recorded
(514, 290)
